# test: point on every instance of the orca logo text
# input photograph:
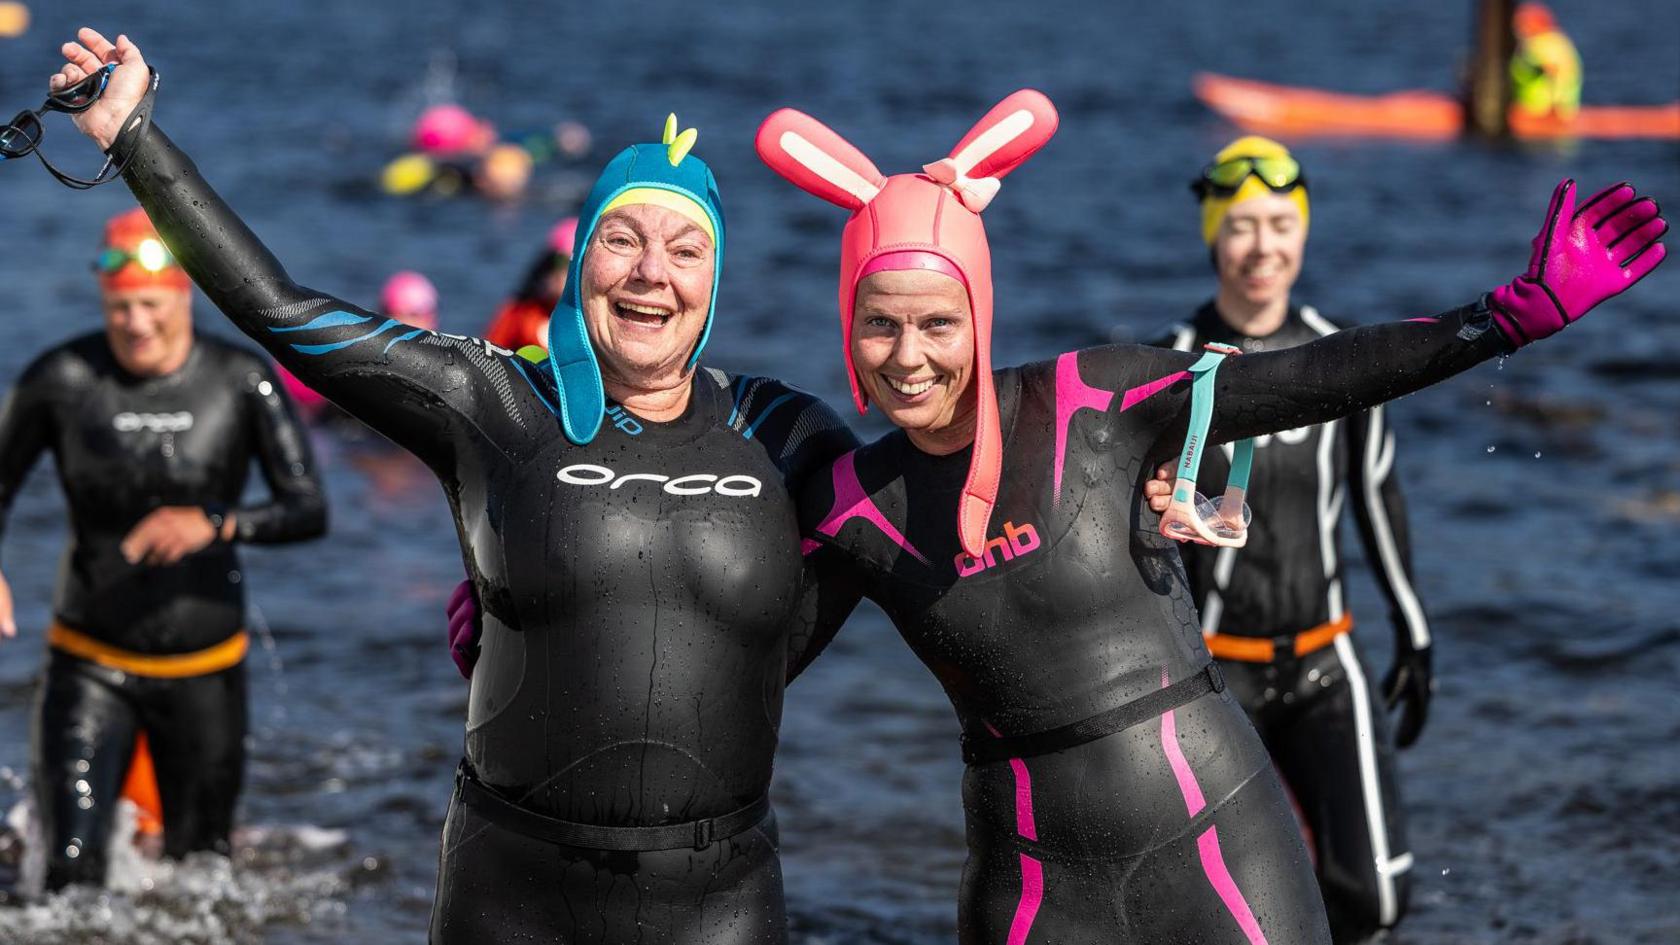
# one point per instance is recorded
(588, 474)
(152, 422)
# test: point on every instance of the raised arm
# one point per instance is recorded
(419, 388)
(1581, 257)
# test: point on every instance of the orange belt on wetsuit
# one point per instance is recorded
(214, 659)
(1228, 646)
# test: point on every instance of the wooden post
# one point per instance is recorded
(1488, 96)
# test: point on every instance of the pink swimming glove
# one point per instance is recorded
(1582, 256)
(463, 627)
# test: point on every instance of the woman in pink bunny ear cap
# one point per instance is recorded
(1115, 792)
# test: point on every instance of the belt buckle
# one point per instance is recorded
(1216, 676)
(1283, 648)
(705, 831)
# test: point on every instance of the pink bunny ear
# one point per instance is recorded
(808, 153)
(1010, 133)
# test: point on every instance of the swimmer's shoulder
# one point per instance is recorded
(69, 365)
(799, 431)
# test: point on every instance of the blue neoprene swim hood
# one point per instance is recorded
(664, 174)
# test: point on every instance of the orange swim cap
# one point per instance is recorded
(133, 256)
(1533, 19)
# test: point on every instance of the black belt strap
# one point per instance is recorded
(986, 749)
(698, 834)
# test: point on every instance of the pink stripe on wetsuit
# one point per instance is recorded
(1207, 845)
(850, 501)
(1073, 394)
(1032, 871)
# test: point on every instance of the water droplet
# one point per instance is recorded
(1492, 448)
(1536, 454)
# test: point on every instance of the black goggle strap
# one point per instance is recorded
(121, 150)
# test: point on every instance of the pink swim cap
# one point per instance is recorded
(926, 221)
(409, 294)
(448, 129)
(563, 238)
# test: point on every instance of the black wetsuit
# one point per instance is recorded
(125, 446)
(1173, 827)
(1319, 714)
(638, 595)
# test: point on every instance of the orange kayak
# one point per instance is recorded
(1293, 111)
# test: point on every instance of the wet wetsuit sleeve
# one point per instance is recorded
(297, 508)
(414, 386)
(831, 591)
(1346, 372)
(803, 436)
(25, 423)
(1333, 377)
(1380, 511)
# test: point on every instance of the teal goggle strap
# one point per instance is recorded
(1203, 374)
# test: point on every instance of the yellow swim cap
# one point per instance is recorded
(1214, 207)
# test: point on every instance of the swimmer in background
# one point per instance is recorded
(523, 319)
(1546, 67)
(153, 431)
(456, 149)
(1273, 612)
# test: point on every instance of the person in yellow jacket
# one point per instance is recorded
(1546, 68)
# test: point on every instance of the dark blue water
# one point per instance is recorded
(1545, 493)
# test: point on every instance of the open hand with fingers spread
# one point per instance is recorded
(123, 93)
(1581, 257)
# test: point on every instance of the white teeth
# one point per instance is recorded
(910, 390)
(643, 309)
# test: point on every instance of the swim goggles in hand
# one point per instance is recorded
(22, 136)
(1280, 174)
(1191, 516)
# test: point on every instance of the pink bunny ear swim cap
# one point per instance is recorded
(930, 221)
(563, 238)
(408, 293)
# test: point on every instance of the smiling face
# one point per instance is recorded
(1258, 249)
(149, 329)
(646, 291)
(913, 347)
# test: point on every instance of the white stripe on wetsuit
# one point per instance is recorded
(1376, 821)
(1329, 491)
(1386, 868)
(1379, 460)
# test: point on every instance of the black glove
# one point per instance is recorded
(1409, 684)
